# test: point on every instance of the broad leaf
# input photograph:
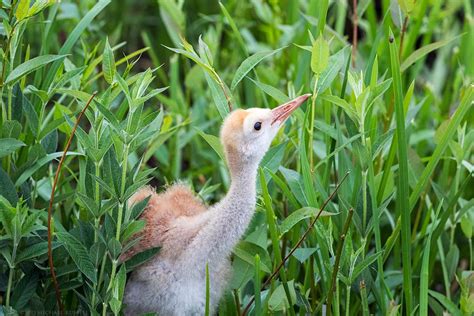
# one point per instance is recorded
(108, 63)
(9, 145)
(141, 258)
(31, 65)
(299, 215)
(22, 9)
(319, 55)
(79, 255)
(249, 63)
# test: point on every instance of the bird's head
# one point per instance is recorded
(247, 134)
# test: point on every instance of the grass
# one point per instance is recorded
(388, 126)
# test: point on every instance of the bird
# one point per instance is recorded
(192, 235)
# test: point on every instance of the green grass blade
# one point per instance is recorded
(257, 285)
(424, 274)
(423, 51)
(208, 294)
(454, 122)
(271, 220)
(402, 188)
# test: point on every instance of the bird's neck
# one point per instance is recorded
(243, 184)
(233, 213)
(229, 218)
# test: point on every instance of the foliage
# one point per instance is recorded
(395, 111)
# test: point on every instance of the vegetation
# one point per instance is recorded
(392, 94)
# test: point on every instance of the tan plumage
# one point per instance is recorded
(178, 201)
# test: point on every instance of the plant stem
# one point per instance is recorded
(354, 31)
(311, 128)
(121, 210)
(471, 265)
(207, 308)
(442, 258)
(363, 295)
(97, 200)
(9, 286)
(364, 201)
(376, 227)
(348, 299)
(96, 224)
(257, 284)
(50, 208)
(402, 36)
(340, 245)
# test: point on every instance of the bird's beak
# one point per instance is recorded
(282, 112)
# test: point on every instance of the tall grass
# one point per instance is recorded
(391, 104)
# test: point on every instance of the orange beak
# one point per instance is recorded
(282, 112)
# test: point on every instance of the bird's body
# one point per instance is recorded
(191, 235)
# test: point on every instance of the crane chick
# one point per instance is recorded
(190, 234)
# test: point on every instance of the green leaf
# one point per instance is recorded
(38, 6)
(336, 62)
(141, 258)
(466, 225)
(276, 94)
(218, 96)
(74, 36)
(246, 251)
(299, 215)
(249, 63)
(406, 6)
(131, 229)
(173, 17)
(234, 27)
(108, 63)
(303, 254)
(117, 290)
(31, 65)
(24, 290)
(88, 203)
(403, 189)
(361, 266)
(214, 142)
(34, 251)
(109, 116)
(208, 291)
(79, 254)
(278, 300)
(31, 116)
(452, 260)
(423, 51)
(9, 145)
(447, 303)
(22, 9)
(443, 142)
(295, 183)
(319, 55)
(114, 247)
(31, 170)
(7, 188)
(350, 111)
(424, 275)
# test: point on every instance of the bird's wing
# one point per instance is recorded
(161, 214)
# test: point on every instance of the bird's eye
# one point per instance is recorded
(257, 126)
